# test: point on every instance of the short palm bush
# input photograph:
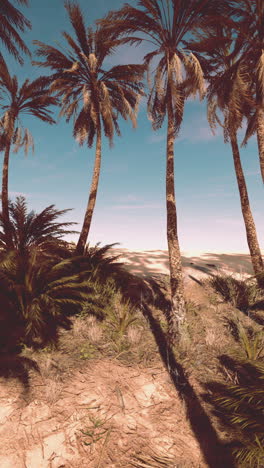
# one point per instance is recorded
(29, 229)
(242, 294)
(37, 296)
(240, 407)
(43, 282)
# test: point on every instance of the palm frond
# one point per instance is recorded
(31, 229)
(93, 96)
(12, 21)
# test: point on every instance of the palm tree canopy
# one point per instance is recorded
(89, 92)
(165, 24)
(229, 82)
(11, 20)
(250, 31)
(33, 98)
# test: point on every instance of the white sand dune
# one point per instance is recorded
(196, 264)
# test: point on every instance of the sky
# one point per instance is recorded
(131, 205)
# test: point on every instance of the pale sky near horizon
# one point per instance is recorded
(131, 207)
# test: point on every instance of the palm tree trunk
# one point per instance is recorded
(5, 210)
(178, 311)
(260, 137)
(252, 240)
(92, 197)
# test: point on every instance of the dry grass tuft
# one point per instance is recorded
(154, 460)
(53, 391)
(134, 335)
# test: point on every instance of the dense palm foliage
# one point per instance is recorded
(251, 37)
(11, 20)
(41, 280)
(93, 96)
(229, 92)
(240, 408)
(165, 24)
(36, 295)
(28, 230)
(32, 292)
(31, 98)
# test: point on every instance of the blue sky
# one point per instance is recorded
(130, 206)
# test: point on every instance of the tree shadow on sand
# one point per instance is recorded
(13, 366)
(216, 453)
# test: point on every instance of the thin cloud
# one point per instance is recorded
(252, 172)
(141, 206)
(228, 221)
(198, 130)
(130, 197)
(20, 194)
(156, 138)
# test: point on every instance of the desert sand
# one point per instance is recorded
(196, 264)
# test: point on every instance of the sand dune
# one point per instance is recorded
(195, 264)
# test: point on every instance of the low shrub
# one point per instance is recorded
(242, 294)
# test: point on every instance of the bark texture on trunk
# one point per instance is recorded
(9, 136)
(5, 210)
(92, 197)
(252, 240)
(178, 309)
(260, 137)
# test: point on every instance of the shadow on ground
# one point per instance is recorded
(216, 453)
(13, 366)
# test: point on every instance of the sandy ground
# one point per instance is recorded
(195, 264)
(103, 413)
(119, 409)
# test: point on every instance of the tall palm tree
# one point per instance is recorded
(31, 98)
(11, 20)
(93, 96)
(229, 92)
(165, 24)
(250, 29)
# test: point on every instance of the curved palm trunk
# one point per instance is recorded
(260, 137)
(5, 207)
(252, 240)
(5, 210)
(92, 197)
(178, 311)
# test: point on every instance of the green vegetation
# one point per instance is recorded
(242, 294)
(240, 408)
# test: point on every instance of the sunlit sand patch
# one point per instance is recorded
(196, 263)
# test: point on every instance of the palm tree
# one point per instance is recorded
(42, 281)
(12, 19)
(94, 97)
(250, 30)
(37, 294)
(165, 24)
(31, 98)
(229, 91)
(28, 230)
